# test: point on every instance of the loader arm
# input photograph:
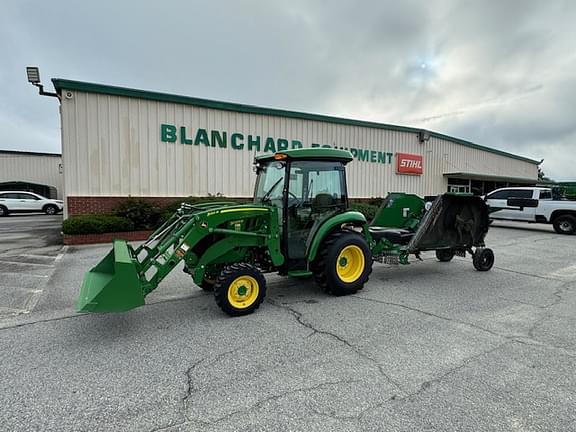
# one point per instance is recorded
(199, 235)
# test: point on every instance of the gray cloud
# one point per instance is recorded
(498, 73)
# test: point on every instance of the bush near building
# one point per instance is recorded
(144, 216)
(96, 224)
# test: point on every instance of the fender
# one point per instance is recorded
(350, 217)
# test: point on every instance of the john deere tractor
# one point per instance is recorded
(298, 225)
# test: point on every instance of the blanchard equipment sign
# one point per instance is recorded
(238, 141)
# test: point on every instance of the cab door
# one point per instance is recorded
(316, 191)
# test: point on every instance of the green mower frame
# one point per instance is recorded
(299, 225)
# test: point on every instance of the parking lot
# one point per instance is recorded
(29, 249)
(428, 346)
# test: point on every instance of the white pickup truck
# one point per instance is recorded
(536, 205)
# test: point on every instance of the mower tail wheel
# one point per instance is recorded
(444, 255)
(344, 263)
(239, 289)
(483, 259)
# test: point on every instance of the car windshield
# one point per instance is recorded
(270, 183)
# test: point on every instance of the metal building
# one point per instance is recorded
(118, 142)
(33, 172)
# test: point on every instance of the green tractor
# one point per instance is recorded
(298, 225)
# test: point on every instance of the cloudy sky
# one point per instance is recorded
(501, 73)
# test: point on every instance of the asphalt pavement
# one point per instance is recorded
(30, 246)
(428, 346)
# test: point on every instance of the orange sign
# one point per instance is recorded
(409, 164)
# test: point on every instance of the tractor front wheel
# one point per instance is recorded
(239, 289)
(344, 263)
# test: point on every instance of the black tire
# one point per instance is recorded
(483, 259)
(51, 210)
(330, 274)
(233, 279)
(444, 255)
(3, 211)
(565, 224)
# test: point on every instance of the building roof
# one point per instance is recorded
(63, 84)
(29, 153)
(478, 176)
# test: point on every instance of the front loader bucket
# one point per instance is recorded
(113, 285)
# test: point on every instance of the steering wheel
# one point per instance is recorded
(297, 201)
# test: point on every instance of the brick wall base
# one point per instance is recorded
(82, 239)
(78, 205)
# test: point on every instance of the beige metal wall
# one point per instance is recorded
(32, 168)
(111, 146)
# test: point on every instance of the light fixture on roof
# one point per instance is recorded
(34, 78)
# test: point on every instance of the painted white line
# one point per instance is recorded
(23, 274)
(61, 254)
(26, 263)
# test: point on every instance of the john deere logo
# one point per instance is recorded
(252, 142)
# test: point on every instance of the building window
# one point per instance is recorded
(458, 185)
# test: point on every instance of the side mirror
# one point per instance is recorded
(522, 202)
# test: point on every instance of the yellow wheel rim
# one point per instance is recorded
(243, 292)
(350, 264)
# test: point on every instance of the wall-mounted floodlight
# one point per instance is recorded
(423, 136)
(34, 78)
(33, 74)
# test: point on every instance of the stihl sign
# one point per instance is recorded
(409, 164)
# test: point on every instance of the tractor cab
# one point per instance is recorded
(309, 187)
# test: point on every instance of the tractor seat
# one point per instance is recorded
(394, 235)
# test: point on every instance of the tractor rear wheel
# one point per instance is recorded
(239, 289)
(344, 263)
(444, 255)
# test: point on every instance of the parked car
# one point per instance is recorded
(534, 205)
(27, 202)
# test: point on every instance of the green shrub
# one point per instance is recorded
(96, 224)
(369, 211)
(143, 215)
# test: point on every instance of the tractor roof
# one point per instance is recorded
(308, 153)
